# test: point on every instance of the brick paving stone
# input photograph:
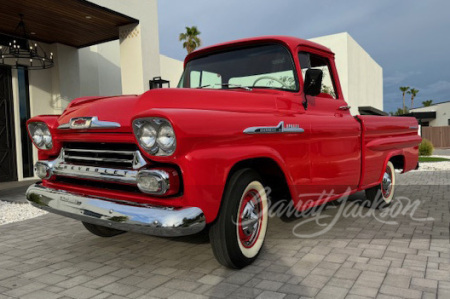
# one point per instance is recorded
(210, 279)
(269, 285)
(357, 258)
(400, 292)
(424, 284)
(332, 292)
(364, 291)
(315, 281)
(80, 292)
(394, 280)
(246, 292)
(271, 295)
(41, 294)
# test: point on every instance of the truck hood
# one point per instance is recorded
(122, 109)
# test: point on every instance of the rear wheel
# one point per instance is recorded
(381, 195)
(238, 233)
(102, 231)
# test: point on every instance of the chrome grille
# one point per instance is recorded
(102, 155)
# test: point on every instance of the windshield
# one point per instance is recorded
(265, 66)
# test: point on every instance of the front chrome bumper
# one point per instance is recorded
(146, 219)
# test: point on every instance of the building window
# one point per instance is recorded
(24, 109)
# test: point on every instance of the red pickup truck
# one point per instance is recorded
(248, 115)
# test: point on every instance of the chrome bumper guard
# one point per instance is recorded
(146, 219)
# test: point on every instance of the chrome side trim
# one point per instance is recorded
(345, 108)
(280, 128)
(64, 126)
(151, 220)
(88, 123)
(413, 128)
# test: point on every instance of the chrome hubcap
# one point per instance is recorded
(386, 185)
(250, 219)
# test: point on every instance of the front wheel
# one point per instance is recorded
(238, 233)
(381, 195)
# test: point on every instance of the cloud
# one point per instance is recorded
(407, 38)
(398, 77)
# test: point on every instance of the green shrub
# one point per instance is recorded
(426, 148)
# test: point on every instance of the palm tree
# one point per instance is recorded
(192, 41)
(413, 92)
(427, 103)
(399, 112)
(404, 89)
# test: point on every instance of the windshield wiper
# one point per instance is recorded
(229, 85)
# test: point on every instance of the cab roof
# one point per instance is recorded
(291, 42)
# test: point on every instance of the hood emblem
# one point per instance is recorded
(280, 128)
(83, 123)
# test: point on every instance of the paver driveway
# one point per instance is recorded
(51, 257)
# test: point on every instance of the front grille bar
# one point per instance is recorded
(66, 156)
(99, 151)
(103, 158)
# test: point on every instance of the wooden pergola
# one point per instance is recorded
(75, 23)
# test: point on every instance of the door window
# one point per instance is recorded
(312, 61)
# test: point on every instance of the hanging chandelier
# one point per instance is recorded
(22, 52)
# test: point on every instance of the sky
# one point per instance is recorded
(410, 39)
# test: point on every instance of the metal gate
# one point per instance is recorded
(8, 170)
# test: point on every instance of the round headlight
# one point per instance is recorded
(155, 135)
(38, 137)
(166, 138)
(41, 135)
(147, 136)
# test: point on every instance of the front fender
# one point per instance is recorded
(205, 173)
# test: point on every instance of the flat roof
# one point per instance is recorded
(76, 23)
(435, 104)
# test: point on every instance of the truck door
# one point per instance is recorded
(335, 134)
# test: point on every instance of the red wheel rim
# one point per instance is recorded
(250, 218)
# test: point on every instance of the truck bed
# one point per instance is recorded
(384, 137)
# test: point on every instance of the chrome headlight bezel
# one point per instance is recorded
(165, 140)
(40, 135)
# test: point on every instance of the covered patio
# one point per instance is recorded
(97, 47)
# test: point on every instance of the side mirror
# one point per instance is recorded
(313, 82)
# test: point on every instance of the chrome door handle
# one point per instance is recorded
(345, 108)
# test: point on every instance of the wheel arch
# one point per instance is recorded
(271, 173)
(397, 158)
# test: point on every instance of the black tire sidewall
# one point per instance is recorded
(225, 225)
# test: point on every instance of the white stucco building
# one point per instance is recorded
(436, 115)
(360, 75)
(111, 47)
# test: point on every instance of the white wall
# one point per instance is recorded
(100, 70)
(171, 69)
(361, 77)
(442, 113)
(138, 44)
